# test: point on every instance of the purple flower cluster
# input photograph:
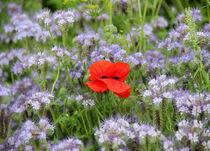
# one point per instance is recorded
(116, 133)
(70, 144)
(159, 88)
(87, 39)
(61, 52)
(61, 19)
(22, 27)
(28, 131)
(4, 91)
(13, 9)
(33, 60)
(192, 103)
(160, 22)
(194, 131)
(196, 15)
(6, 58)
(39, 100)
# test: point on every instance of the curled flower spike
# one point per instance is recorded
(111, 76)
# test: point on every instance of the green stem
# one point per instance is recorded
(208, 9)
(167, 62)
(46, 144)
(64, 38)
(12, 75)
(110, 12)
(34, 80)
(83, 121)
(142, 24)
(58, 73)
(68, 74)
(51, 37)
(45, 75)
(35, 145)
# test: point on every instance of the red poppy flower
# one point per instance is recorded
(111, 76)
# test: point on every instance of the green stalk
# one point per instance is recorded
(68, 74)
(167, 61)
(45, 75)
(64, 38)
(110, 12)
(12, 75)
(86, 131)
(142, 24)
(96, 23)
(208, 9)
(162, 115)
(46, 144)
(35, 145)
(58, 73)
(34, 80)
(52, 37)
(158, 8)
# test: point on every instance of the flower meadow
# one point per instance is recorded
(104, 75)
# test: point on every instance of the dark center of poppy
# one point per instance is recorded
(116, 78)
(104, 77)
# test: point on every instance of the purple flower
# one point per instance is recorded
(70, 144)
(4, 91)
(40, 99)
(161, 22)
(63, 18)
(14, 9)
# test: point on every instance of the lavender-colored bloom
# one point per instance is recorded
(64, 18)
(88, 102)
(55, 30)
(147, 30)
(161, 22)
(169, 146)
(192, 104)
(40, 100)
(37, 60)
(4, 91)
(18, 105)
(192, 130)
(23, 27)
(206, 27)
(7, 57)
(103, 17)
(77, 15)
(155, 59)
(29, 131)
(25, 86)
(17, 68)
(41, 36)
(60, 52)
(196, 15)
(70, 144)
(114, 52)
(44, 17)
(14, 9)
(145, 130)
(88, 38)
(160, 88)
(115, 133)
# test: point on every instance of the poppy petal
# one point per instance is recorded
(92, 77)
(97, 86)
(99, 67)
(116, 86)
(125, 94)
(118, 70)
